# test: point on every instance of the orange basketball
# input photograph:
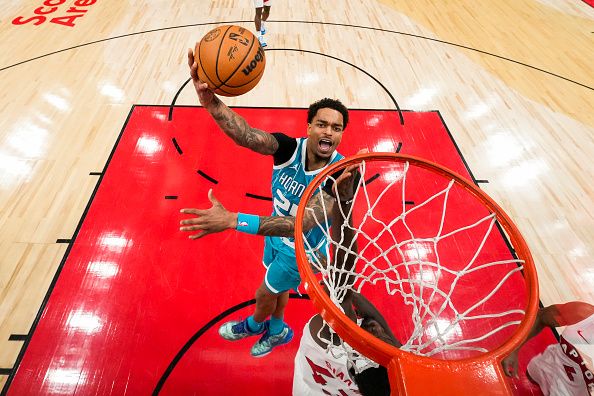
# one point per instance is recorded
(230, 60)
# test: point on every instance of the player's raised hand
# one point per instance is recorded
(208, 221)
(205, 94)
(344, 187)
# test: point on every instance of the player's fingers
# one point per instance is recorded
(343, 176)
(194, 74)
(197, 212)
(193, 221)
(212, 198)
(353, 168)
(188, 211)
(190, 57)
(195, 227)
(198, 236)
(189, 228)
(511, 371)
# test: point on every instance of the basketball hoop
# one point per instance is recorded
(434, 248)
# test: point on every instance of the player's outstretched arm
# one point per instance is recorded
(217, 218)
(234, 126)
(552, 316)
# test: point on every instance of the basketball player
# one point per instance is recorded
(564, 368)
(320, 372)
(296, 163)
(322, 365)
(262, 12)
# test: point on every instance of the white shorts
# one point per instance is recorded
(262, 3)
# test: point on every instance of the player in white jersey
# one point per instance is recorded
(324, 364)
(296, 162)
(563, 369)
(319, 371)
(262, 13)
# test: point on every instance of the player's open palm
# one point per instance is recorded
(208, 221)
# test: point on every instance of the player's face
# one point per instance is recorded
(325, 133)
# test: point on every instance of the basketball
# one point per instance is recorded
(230, 60)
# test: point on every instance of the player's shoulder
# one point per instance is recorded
(287, 146)
(283, 137)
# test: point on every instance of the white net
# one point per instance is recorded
(429, 255)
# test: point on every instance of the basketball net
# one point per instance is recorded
(427, 252)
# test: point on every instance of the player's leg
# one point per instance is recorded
(277, 323)
(281, 303)
(265, 305)
(258, 19)
(259, 4)
(267, 295)
(279, 279)
(266, 302)
(265, 14)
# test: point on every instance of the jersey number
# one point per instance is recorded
(288, 209)
(318, 374)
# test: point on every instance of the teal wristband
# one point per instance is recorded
(248, 223)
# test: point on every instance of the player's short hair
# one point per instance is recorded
(334, 104)
(373, 381)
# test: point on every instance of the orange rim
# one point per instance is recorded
(383, 353)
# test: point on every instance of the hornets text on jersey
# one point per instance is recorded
(289, 181)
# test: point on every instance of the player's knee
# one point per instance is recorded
(265, 295)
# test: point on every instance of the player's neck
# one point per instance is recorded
(313, 162)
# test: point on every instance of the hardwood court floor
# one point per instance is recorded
(513, 81)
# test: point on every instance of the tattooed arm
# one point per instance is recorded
(237, 128)
(217, 218)
(314, 213)
(234, 126)
(284, 226)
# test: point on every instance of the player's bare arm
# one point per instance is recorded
(551, 316)
(285, 225)
(234, 126)
(217, 218)
(237, 128)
